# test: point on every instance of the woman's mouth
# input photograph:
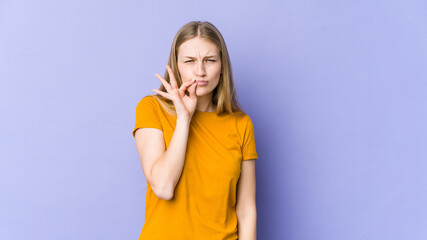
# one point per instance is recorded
(202, 83)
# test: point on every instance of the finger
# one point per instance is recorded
(171, 77)
(185, 85)
(164, 94)
(192, 91)
(164, 82)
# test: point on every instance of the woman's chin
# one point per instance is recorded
(201, 92)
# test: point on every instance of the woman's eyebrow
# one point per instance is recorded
(213, 56)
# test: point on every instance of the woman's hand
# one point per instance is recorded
(184, 105)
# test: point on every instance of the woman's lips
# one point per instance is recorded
(202, 83)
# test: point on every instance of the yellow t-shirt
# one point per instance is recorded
(204, 200)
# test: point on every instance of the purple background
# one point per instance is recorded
(336, 90)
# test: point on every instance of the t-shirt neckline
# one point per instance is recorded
(201, 114)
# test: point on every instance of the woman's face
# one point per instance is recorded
(199, 59)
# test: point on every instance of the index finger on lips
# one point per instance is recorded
(187, 84)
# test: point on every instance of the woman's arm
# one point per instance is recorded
(163, 168)
(246, 203)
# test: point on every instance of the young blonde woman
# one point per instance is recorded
(196, 145)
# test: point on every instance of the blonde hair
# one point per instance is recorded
(224, 95)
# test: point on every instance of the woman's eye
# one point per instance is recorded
(209, 60)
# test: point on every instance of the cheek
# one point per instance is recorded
(216, 71)
(184, 73)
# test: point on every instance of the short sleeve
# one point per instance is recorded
(147, 115)
(248, 144)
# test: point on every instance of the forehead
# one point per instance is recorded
(198, 47)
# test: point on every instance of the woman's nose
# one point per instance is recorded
(200, 69)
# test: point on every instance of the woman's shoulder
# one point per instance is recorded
(154, 101)
(241, 117)
(239, 114)
(150, 98)
(147, 100)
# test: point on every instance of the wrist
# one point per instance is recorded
(183, 119)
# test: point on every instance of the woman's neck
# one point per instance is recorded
(205, 104)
